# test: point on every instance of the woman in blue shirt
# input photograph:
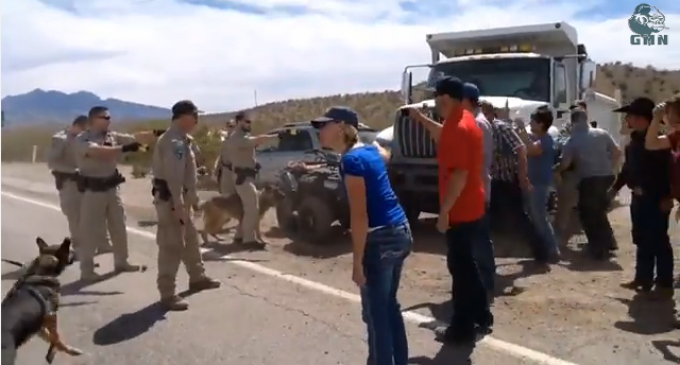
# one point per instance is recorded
(541, 158)
(381, 236)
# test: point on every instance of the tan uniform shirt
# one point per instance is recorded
(240, 149)
(62, 157)
(97, 167)
(174, 161)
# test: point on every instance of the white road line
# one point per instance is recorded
(514, 350)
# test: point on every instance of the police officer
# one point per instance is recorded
(98, 151)
(223, 167)
(62, 162)
(174, 189)
(240, 149)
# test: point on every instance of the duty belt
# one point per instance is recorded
(101, 184)
(61, 177)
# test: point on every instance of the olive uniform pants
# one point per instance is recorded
(70, 200)
(248, 229)
(99, 212)
(177, 243)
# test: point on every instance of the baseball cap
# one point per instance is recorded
(337, 114)
(471, 92)
(184, 107)
(451, 86)
(643, 107)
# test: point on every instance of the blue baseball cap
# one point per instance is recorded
(451, 86)
(471, 92)
(337, 114)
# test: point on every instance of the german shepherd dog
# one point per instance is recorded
(219, 210)
(30, 307)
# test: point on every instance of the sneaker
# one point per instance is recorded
(204, 283)
(451, 336)
(127, 267)
(174, 303)
(632, 285)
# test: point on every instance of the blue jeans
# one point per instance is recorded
(538, 210)
(386, 250)
(484, 255)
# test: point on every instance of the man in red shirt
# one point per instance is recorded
(462, 206)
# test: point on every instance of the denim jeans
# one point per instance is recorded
(650, 236)
(483, 251)
(470, 301)
(509, 212)
(386, 250)
(538, 210)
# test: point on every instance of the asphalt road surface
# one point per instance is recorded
(257, 317)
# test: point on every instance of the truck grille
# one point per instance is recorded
(414, 140)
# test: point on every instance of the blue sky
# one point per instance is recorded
(217, 51)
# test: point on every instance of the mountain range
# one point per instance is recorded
(45, 107)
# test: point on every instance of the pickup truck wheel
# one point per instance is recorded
(285, 214)
(315, 219)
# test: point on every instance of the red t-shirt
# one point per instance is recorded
(674, 139)
(461, 148)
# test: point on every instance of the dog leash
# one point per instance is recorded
(15, 263)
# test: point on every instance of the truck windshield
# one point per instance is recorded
(526, 78)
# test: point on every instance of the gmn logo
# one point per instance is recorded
(646, 21)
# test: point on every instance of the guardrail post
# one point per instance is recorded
(34, 155)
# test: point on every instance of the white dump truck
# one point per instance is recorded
(522, 67)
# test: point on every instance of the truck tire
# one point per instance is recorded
(285, 214)
(315, 219)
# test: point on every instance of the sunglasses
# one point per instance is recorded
(105, 117)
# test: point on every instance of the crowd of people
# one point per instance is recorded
(492, 172)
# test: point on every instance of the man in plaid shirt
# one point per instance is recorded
(510, 180)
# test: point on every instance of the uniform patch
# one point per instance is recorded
(178, 148)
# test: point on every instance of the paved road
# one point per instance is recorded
(572, 313)
(253, 319)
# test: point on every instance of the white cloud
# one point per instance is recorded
(159, 51)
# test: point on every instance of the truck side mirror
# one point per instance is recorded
(406, 86)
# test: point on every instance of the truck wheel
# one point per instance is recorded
(285, 214)
(315, 219)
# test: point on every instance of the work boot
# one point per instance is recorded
(204, 283)
(128, 267)
(256, 245)
(90, 277)
(174, 303)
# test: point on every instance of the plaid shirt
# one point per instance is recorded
(506, 142)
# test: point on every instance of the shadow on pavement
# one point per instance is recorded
(447, 355)
(648, 317)
(337, 245)
(219, 250)
(75, 304)
(13, 275)
(130, 325)
(664, 346)
(147, 223)
(76, 287)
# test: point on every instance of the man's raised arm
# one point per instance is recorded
(435, 128)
